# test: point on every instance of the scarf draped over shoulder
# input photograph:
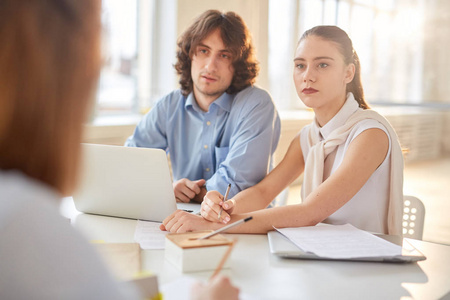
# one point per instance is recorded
(319, 150)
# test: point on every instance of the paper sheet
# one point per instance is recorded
(340, 241)
(149, 236)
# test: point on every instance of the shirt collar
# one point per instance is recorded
(349, 107)
(190, 102)
(224, 102)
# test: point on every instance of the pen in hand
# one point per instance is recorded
(225, 228)
(224, 199)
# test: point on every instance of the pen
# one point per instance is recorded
(225, 228)
(224, 199)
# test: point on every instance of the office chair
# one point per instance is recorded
(413, 217)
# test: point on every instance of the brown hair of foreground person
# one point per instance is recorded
(49, 65)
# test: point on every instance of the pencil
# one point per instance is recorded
(225, 228)
(224, 199)
(224, 259)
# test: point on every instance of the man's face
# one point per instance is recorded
(212, 70)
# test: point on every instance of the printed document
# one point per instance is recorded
(340, 241)
(149, 236)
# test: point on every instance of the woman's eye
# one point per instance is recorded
(300, 66)
(323, 65)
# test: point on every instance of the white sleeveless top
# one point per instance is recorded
(368, 209)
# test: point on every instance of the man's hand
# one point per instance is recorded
(185, 190)
(181, 221)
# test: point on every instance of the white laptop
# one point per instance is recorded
(282, 247)
(127, 182)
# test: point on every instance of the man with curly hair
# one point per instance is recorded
(218, 128)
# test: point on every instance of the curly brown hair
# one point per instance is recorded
(235, 36)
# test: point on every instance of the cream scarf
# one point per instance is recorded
(319, 150)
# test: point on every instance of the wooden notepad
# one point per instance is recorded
(189, 254)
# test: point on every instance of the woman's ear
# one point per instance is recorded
(349, 73)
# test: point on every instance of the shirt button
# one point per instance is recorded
(205, 146)
(207, 169)
(208, 123)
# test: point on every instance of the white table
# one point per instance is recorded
(257, 272)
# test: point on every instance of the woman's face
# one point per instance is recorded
(321, 75)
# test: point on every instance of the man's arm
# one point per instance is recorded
(254, 138)
(150, 132)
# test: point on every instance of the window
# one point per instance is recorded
(138, 41)
(402, 46)
(117, 85)
(386, 34)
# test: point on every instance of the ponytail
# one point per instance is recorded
(355, 86)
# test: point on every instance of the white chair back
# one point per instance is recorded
(413, 217)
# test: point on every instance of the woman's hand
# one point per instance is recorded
(219, 287)
(212, 205)
(181, 221)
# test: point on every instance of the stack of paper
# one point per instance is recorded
(339, 242)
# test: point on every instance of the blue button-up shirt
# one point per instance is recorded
(233, 142)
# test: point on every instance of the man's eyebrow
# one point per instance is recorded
(225, 51)
(315, 58)
(222, 50)
(203, 45)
